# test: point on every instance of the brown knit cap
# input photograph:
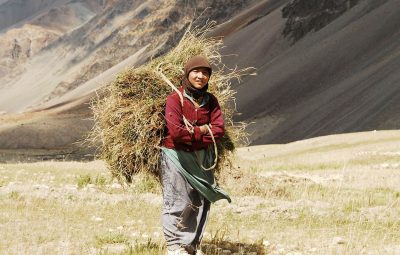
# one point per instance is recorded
(196, 62)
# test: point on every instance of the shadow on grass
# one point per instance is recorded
(220, 247)
(150, 248)
(208, 248)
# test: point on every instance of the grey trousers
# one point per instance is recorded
(185, 211)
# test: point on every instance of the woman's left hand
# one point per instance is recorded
(204, 129)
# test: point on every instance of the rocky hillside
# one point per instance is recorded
(304, 16)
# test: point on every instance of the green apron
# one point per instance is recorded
(201, 180)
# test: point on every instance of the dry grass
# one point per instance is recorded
(354, 209)
(128, 114)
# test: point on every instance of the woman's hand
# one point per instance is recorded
(204, 129)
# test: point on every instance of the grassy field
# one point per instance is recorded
(330, 195)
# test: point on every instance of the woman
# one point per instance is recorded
(188, 188)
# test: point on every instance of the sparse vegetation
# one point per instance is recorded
(83, 180)
(353, 209)
(14, 195)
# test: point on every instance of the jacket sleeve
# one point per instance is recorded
(216, 121)
(175, 125)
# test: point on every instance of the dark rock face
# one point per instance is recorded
(16, 49)
(304, 16)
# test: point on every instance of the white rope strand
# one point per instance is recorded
(188, 125)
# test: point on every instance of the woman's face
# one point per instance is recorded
(199, 77)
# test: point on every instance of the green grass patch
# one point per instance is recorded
(83, 180)
(144, 182)
(14, 195)
(336, 147)
(145, 248)
(111, 238)
(375, 159)
(306, 167)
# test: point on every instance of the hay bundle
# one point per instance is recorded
(128, 116)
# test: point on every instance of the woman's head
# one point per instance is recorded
(197, 72)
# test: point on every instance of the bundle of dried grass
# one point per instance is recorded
(128, 116)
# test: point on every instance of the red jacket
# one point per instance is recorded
(178, 136)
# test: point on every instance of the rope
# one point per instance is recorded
(215, 149)
(189, 126)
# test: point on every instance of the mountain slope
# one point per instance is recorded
(325, 76)
(55, 85)
(342, 78)
(32, 28)
(113, 33)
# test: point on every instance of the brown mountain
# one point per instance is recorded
(323, 67)
(49, 90)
